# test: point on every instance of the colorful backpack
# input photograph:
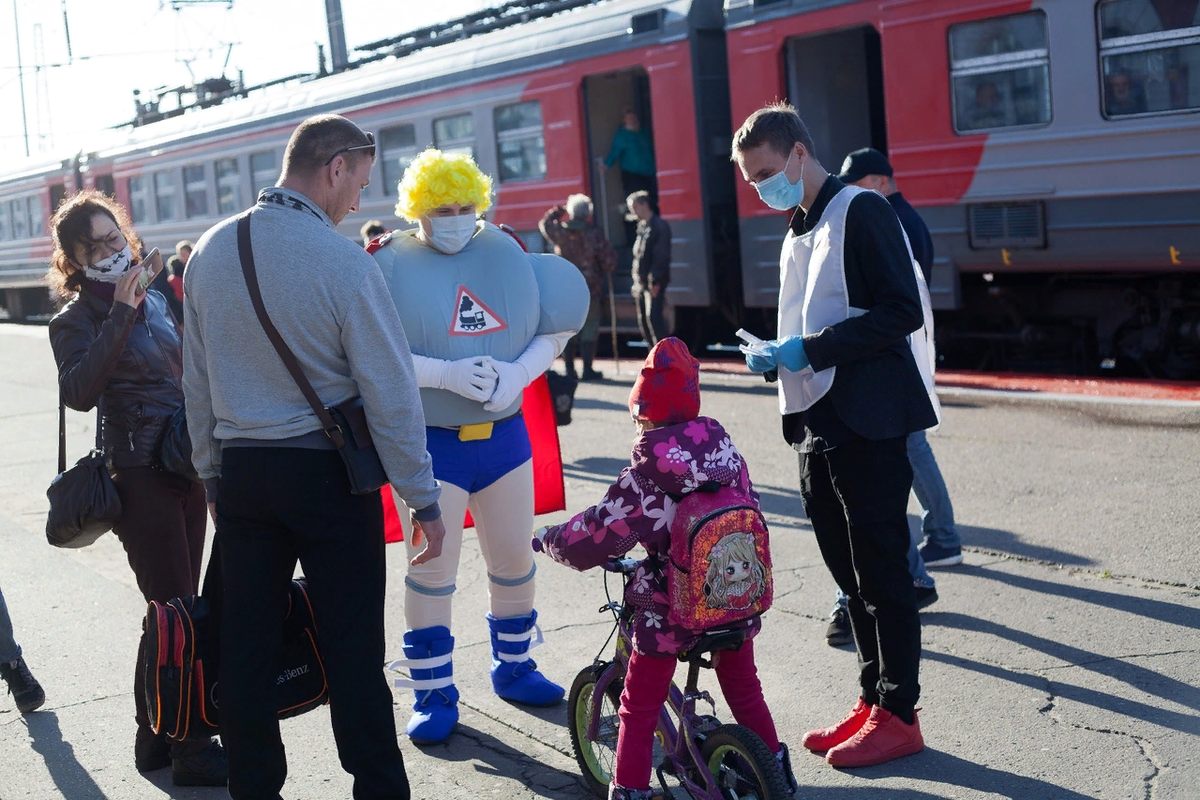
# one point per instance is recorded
(720, 559)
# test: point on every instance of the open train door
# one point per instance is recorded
(606, 98)
(835, 81)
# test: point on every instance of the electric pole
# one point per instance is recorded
(21, 76)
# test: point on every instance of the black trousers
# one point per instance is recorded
(651, 317)
(276, 506)
(163, 517)
(856, 496)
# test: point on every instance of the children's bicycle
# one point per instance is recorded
(708, 759)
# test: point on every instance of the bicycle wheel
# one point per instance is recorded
(597, 757)
(742, 764)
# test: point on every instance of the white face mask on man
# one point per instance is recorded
(110, 270)
(451, 234)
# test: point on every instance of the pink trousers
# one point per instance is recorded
(647, 684)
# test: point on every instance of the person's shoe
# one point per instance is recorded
(26, 691)
(592, 375)
(429, 658)
(150, 750)
(825, 738)
(199, 764)
(784, 759)
(935, 555)
(926, 596)
(883, 737)
(570, 372)
(838, 633)
(515, 675)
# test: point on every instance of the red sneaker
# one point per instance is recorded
(825, 738)
(883, 737)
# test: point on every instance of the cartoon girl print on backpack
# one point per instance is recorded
(736, 576)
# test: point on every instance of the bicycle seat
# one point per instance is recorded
(711, 641)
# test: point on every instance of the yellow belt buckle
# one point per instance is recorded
(476, 432)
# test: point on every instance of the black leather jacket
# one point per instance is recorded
(136, 364)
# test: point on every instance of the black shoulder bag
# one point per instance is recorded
(345, 424)
(84, 503)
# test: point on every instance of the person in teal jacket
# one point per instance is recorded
(634, 149)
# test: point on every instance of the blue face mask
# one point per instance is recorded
(778, 192)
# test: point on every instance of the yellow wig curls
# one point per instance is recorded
(435, 179)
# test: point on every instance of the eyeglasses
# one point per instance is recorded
(370, 145)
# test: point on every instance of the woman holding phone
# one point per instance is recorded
(118, 347)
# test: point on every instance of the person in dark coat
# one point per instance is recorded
(118, 347)
(651, 268)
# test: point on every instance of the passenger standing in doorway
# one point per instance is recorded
(651, 268)
(850, 391)
(276, 486)
(633, 148)
(577, 239)
(940, 545)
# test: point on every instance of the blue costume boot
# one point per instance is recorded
(428, 653)
(514, 673)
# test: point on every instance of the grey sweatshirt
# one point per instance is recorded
(328, 300)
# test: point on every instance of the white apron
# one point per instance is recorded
(813, 296)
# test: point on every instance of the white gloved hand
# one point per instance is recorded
(474, 378)
(512, 381)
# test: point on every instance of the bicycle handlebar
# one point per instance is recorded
(625, 566)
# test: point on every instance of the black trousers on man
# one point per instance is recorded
(274, 506)
(651, 314)
(856, 496)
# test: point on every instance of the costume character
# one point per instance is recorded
(484, 319)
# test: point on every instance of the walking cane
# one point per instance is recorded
(612, 296)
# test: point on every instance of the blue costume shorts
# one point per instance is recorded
(474, 466)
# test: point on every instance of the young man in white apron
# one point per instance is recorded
(854, 362)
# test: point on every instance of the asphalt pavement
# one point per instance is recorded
(1060, 662)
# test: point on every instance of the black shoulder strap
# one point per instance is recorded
(62, 434)
(246, 252)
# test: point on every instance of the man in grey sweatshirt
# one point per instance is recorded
(277, 488)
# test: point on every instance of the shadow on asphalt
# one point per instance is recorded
(69, 776)
(592, 403)
(934, 766)
(503, 761)
(1136, 676)
(1008, 542)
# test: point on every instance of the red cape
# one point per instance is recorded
(549, 493)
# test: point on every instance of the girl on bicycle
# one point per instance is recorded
(676, 451)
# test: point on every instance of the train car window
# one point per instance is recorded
(166, 195)
(399, 148)
(229, 185)
(455, 134)
(1149, 52)
(20, 218)
(520, 145)
(3, 221)
(36, 218)
(195, 191)
(1000, 73)
(106, 185)
(137, 199)
(262, 171)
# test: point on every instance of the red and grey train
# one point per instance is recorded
(1053, 148)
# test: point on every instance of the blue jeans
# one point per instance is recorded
(937, 515)
(9, 649)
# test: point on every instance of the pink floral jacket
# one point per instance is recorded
(638, 509)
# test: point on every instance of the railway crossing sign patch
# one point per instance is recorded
(472, 317)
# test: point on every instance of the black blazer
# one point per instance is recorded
(877, 391)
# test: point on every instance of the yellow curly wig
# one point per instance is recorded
(435, 179)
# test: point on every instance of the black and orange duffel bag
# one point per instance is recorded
(181, 658)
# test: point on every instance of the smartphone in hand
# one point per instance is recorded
(151, 265)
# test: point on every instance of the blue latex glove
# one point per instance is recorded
(789, 353)
(786, 352)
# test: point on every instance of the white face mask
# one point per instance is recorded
(451, 234)
(111, 269)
